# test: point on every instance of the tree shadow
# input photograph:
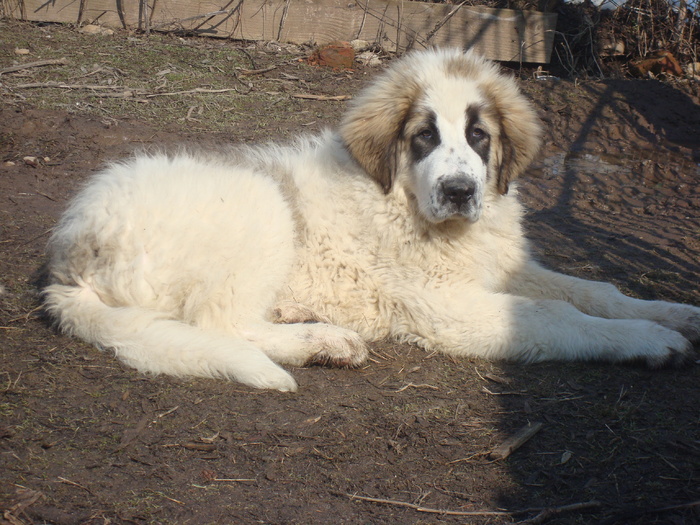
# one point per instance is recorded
(632, 213)
(620, 435)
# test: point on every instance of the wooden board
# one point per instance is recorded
(499, 34)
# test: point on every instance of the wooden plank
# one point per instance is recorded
(110, 13)
(499, 34)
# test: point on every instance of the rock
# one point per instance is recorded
(31, 161)
(360, 45)
(339, 55)
(92, 29)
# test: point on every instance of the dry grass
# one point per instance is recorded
(202, 83)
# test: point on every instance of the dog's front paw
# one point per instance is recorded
(682, 318)
(345, 349)
(666, 348)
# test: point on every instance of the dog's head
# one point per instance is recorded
(447, 125)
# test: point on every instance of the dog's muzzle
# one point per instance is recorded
(458, 192)
(458, 196)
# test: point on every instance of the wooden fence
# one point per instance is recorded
(499, 34)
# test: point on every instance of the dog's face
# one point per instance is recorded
(447, 136)
(448, 127)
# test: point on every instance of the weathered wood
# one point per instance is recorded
(499, 34)
(516, 441)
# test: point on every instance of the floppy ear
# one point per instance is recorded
(520, 142)
(520, 133)
(519, 126)
(372, 127)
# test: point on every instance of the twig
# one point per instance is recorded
(491, 377)
(179, 21)
(442, 22)
(127, 93)
(38, 63)
(364, 19)
(429, 510)
(511, 393)
(25, 317)
(167, 412)
(551, 511)
(190, 92)
(234, 480)
(169, 498)
(246, 72)
(27, 497)
(283, 19)
(63, 86)
(189, 117)
(202, 447)
(69, 482)
(516, 441)
(321, 97)
(409, 385)
(468, 458)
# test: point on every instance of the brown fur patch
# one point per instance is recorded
(372, 127)
(418, 117)
(520, 129)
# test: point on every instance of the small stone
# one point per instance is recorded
(360, 45)
(92, 29)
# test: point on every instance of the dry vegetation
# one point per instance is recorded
(642, 26)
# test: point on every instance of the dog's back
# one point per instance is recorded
(148, 259)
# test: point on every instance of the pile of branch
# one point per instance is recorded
(647, 26)
(637, 29)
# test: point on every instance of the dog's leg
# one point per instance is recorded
(308, 344)
(472, 321)
(290, 312)
(604, 300)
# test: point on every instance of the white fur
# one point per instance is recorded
(453, 157)
(229, 266)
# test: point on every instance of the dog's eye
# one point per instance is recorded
(426, 134)
(478, 133)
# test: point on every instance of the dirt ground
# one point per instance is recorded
(406, 439)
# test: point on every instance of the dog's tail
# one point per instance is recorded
(151, 342)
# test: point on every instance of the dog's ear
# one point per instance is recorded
(520, 133)
(372, 127)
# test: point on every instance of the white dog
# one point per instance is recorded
(400, 225)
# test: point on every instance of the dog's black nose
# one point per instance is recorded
(457, 191)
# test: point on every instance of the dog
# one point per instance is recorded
(404, 223)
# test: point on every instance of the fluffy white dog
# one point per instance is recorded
(399, 225)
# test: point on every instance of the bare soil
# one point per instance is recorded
(614, 196)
